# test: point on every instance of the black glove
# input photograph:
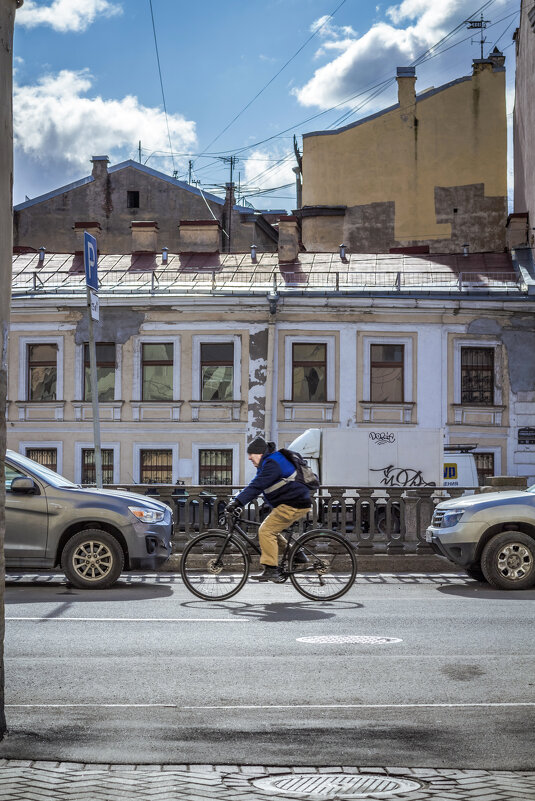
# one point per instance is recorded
(234, 507)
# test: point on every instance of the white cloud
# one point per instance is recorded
(262, 171)
(58, 128)
(65, 15)
(410, 28)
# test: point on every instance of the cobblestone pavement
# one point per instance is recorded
(65, 781)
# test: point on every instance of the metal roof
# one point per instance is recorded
(63, 273)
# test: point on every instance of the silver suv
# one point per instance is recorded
(491, 536)
(93, 534)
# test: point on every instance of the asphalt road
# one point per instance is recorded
(146, 673)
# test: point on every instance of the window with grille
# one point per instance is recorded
(48, 457)
(477, 376)
(215, 466)
(105, 372)
(89, 473)
(157, 371)
(309, 372)
(42, 372)
(217, 371)
(484, 467)
(156, 466)
(386, 373)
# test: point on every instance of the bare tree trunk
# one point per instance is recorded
(7, 19)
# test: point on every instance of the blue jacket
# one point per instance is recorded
(271, 469)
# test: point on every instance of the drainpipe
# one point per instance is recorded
(273, 299)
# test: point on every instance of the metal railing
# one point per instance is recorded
(376, 520)
(232, 280)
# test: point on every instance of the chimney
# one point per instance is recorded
(199, 236)
(92, 228)
(144, 236)
(406, 78)
(288, 239)
(100, 167)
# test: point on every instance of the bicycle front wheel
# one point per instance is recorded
(214, 566)
(330, 569)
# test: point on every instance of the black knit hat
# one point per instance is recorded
(258, 445)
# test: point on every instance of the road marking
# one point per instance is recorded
(499, 704)
(140, 619)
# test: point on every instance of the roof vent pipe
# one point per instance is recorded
(253, 253)
(42, 251)
(165, 255)
(465, 249)
(342, 252)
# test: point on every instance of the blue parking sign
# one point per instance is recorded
(90, 261)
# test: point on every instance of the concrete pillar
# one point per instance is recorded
(7, 20)
(406, 78)
(100, 167)
(92, 227)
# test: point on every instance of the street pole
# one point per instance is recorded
(7, 21)
(94, 394)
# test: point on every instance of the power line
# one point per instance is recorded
(315, 33)
(161, 83)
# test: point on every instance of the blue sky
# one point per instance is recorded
(87, 80)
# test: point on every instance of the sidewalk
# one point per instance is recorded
(26, 781)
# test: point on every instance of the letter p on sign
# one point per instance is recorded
(90, 261)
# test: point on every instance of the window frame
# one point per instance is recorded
(388, 364)
(99, 364)
(196, 365)
(129, 196)
(24, 445)
(330, 369)
(312, 364)
(197, 447)
(498, 370)
(137, 372)
(81, 446)
(24, 388)
(491, 370)
(216, 450)
(408, 364)
(79, 372)
(137, 447)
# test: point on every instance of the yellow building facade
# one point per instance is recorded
(430, 171)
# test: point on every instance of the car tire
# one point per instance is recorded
(475, 572)
(92, 559)
(508, 561)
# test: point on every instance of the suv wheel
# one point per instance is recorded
(92, 559)
(508, 561)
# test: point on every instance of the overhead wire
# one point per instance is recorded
(161, 83)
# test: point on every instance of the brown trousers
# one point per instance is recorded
(269, 533)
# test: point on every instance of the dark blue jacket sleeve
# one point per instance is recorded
(268, 473)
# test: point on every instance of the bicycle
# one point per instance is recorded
(215, 565)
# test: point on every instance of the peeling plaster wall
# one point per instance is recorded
(115, 325)
(519, 341)
(256, 393)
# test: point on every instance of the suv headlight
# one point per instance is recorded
(147, 515)
(451, 518)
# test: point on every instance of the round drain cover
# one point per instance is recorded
(336, 785)
(367, 640)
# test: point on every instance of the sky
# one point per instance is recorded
(183, 86)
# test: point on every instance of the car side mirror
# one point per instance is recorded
(24, 485)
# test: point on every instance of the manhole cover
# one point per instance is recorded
(336, 785)
(368, 640)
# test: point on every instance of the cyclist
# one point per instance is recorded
(289, 499)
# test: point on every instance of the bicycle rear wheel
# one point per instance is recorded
(213, 566)
(331, 568)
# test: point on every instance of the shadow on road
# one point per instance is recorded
(27, 592)
(280, 612)
(484, 592)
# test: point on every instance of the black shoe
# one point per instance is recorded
(300, 557)
(271, 573)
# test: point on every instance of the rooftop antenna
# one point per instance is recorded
(478, 25)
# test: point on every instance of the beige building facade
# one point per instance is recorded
(429, 172)
(193, 364)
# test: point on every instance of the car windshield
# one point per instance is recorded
(18, 460)
(531, 489)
